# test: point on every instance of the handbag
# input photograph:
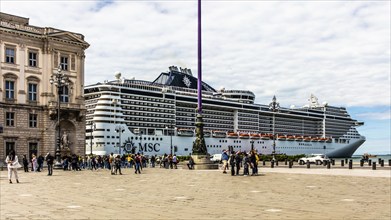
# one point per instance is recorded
(16, 165)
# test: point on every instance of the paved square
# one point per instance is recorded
(194, 194)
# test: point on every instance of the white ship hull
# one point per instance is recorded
(159, 145)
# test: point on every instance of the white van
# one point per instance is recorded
(216, 158)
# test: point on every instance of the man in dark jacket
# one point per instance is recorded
(232, 163)
(49, 162)
(238, 161)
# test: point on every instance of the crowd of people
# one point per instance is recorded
(230, 160)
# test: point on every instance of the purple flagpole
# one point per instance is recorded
(199, 60)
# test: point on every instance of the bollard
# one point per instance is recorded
(272, 163)
(286, 162)
(308, 164)
(263, 163)
(389, 163)
(361, 163)
(328, 164)
(382, 163)
(350, 164)
(317, 162)
(374, 166)
(276, 163)
(346, 160)
(290, 164)
(342, 163)
(325, 162)
(369, 162)
(333, 162)
(379, 160)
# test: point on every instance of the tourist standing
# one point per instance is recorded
(40, 163)
(112, 163)
(12, 165)
(246, 164)
(34, 162)
(117, 162)
(190, 165)
(175, 161)
(153, 160)
(224, 159)
(238, 161)
(232, 163)
(25, 163)
(49, 162)
(138, 164)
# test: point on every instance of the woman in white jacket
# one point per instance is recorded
(12, 165)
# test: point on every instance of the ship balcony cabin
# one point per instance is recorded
(185, 132)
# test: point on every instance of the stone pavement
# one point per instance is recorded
(278, 193)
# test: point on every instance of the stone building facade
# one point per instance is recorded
(29, 56)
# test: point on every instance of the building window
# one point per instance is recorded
(33, 120)
(32, 88)
(64, 63)
(10, 55)
(10, 119)
(64, 94)
(9, 89)
(9, 146)
(33, 57)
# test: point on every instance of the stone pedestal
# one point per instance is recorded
(202, 162)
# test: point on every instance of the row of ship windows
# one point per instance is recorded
(147, 104)
(219, 146)
(149, 109)
(145, 119)
(147, 99)
(149, 114)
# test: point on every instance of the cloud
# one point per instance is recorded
(385, 115)
(338, 50)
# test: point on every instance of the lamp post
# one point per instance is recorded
(59, 79)
(119, 129)
(274, 106)
(252, 145)
(93, 127)
(170, 127)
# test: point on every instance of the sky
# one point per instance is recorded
(336, 50)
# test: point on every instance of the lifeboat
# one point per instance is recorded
(281, 137)
(298, 138)
(254, 136)
(307, 139)
(328, 140)
(265, 137)
(207, 134)
(232, 135)
(322, 139)
(244, 136)
(219, 134)
(290, 138)
(315, 139)
(185, 132)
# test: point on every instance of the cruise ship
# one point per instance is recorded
(156, 118)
